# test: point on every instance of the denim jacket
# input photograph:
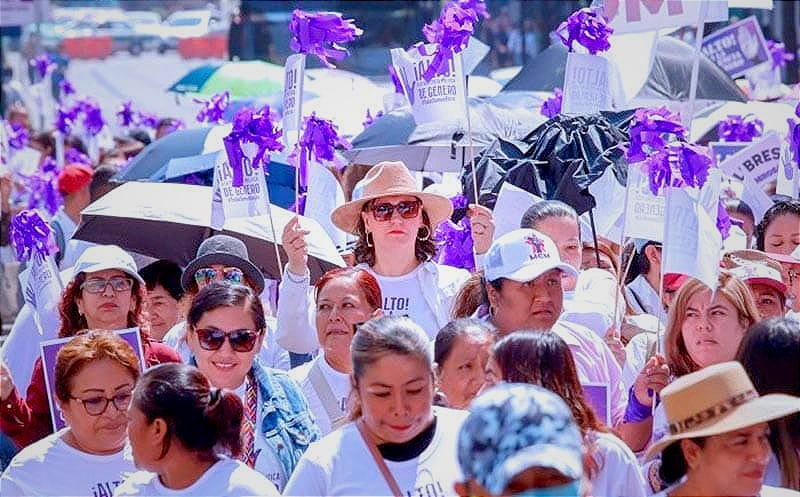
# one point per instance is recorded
(287, 424)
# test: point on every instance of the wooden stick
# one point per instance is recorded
(698, 43)
(272, 229)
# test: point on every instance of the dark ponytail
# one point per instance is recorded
(204, 419)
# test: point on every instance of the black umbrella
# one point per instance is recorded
(668, 80)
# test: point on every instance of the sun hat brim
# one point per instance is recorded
(346, 216)
(249, 269)
(759, 410)
(102, 266)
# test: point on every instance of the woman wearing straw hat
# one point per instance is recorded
(718, 434)
(394, 222)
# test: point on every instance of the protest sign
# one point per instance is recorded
(692, 241)
(441, 98)
(755, 197)
(737, 48)
(759, 160)
(631, 16)
(721, 151)
(586, 84)
(609, 195)
(644, 212)
(597, 396)
(49, 352)
(294, 75)
(249, 199)
(511, 204)
(788, 179)
(324, 195)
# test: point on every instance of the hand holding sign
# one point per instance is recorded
(294, 243)
(651, 380)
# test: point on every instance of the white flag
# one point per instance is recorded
(644, 212)
(294, 76)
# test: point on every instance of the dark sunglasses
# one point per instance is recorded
(98, 285)
(408, 209)
(240, 340)
(207, 275)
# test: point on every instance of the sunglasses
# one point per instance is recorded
(95, 406)
(206, 275)
(408, 209)
(240, 340)
(99, 285)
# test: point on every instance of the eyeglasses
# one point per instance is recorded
(95, 406)
(98, 285)
(206, 275)
(408, 209)
(240, 340)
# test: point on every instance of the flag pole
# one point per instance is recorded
(698, 44)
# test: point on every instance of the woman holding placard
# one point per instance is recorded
(95, 374)
(105, 292)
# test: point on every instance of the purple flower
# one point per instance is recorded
(251, 127)
(147, 120)
(552, 106)
(214, 108)
(738, 128)
(369, 119)
(19, 137)
(588, 28)
(125, 114)
(723, 220)
(693, 162)
(659, 171)
(92, 116)
(43, 65)
(66, 88)
(42, 187)
(650, 130)
(319, 139)
(322, 34)
(777, 51)
(72, 156)
(30, 235)
(451, 34)
(66, 117)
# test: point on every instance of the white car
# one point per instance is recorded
(186, 24)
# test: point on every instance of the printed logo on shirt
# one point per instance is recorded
(431, 489)
(396, 305)
(537, 247)
(105, 489)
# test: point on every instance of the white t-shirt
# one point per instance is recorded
(227, 477)
(619, 473)
(341, 464)
(52, 467)
(339, 384)
(267, 462)
(591, 304)
(766, 491)
(402, 296)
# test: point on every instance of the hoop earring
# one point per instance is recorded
(370, 242)
(427, 234)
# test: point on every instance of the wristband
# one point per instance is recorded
(636, 411)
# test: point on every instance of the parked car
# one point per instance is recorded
(126, 38)
(187, 24)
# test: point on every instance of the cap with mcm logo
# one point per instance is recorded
(523, 255)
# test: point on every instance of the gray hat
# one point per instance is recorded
(225, 250)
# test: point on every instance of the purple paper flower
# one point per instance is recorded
(693, 162)
(650, 131)
(30, 235)
(454, 240)
(66, 116)
(369, 119)
(659, 171)
(588, 28)
(43, 65)
(42, 187)
(251, 127)
(125, 114)
(213, 109)
(92, 116)
(322, 34)
(723, 220)
(319, 140)
(18, 137)
(552, 106)
(738, 128)
(780, 56)
(75, 156)
(148, 120)
(451, 34)
(66, 88)
(398, 86)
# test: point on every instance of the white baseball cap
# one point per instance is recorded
(523, 255)
(754, 272)
(101, 257)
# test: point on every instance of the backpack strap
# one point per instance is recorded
(325, 394)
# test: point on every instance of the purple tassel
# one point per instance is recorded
(213, 109)
(777, 51)
(648, 130)
(322, 34)
(66, 116)
(125, 114)
(693, 162)
(319, 139)
(794, 136)
(369, 120)
(93, 121)
(723, 221)
(30, 235)
(398, 86)
(19, 137)
(738, 128)
(148, 120)
(43, 65)
(65, 88)
(552, 106)
(454, 241)
(451, 34)
(588, 28)
(251, 127)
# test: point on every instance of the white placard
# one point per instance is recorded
(323, 196)
(443, 98)
(760, 161)
(586, 84)
(511, 204)
(644, 212)
(609, 196)
(631, 16)
(247, 200)
(755, 197)
(788, 179)
(294, 75)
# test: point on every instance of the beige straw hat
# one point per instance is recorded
(715, 400)
(383, 180)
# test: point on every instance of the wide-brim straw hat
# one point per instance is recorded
(383, 180)
(715, 400)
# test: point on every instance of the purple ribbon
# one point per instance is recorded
(369, 119)
(723, 221)
(30, 235)
(125, 114)
(794, 136)
(66, 116)
(42, 64)
(692, 163)
(92, 116)
(738, 128)
(398, 86)
(780, 56)
(319, 140)
(552, 106)
(321, 34)
(213, 109)
(18, 137)
(451, 34)
(251, 127)
(650, 130)
(588, 28)
(454, 240)
(65, 88)
(147, 120)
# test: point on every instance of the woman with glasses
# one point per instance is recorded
(185, 434)
(224, 258)
(226, 329)
(105, 292)
(95, 375)
(394, 222)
